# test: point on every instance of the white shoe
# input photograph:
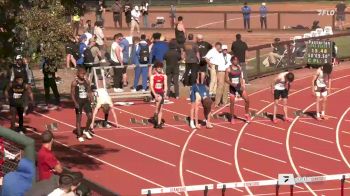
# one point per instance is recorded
(81, 139)
(143, 90)
(192, 124)
(118, 90)
(88, 135)
(133, 90)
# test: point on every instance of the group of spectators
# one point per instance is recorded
(52, 180)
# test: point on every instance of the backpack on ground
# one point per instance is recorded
(144, 54)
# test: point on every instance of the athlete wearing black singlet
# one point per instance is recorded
(15, 96)
(82, 97)
(235, 78)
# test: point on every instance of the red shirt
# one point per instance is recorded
(158, 83)
(46, 163)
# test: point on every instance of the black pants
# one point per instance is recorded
(263, 22)
(194, 67)
(172, 73)
(19, 110)
(246, 23)
(51, 83)
(118, 75)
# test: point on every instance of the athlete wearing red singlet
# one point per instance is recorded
(158, 84)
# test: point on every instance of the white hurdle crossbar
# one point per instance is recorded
(179, 189)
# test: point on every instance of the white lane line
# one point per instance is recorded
(346, 146)
(281, 105)
(313, 137)
(314, 153)
(347, 120)
(338, 139)
(346, 132)
(205, 177)
(140, 116)
(314, 124)
(266, 156)
(273, 141)
(215, 140)
(110, 141)
(100, 160)
(210, 157)
(282, 129)
(310, 170)
(242, 106)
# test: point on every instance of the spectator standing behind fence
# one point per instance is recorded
(239, 49)
(144, 11)
(140, 57)
(135, 20)
(172, 58)
(117, 60)
(48, 164)
(213, 58)
(172, 16)
(17, 182)
(246, 15)
(263, 15)
(100, 37)
(203, 48)
(117, 9)
(222, 87)
(277, 53)
(192, 57)
(127, 12)
(180, 32)
(100, 10)
(340, 17)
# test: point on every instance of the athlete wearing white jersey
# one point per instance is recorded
(321, 84)
(104, 101)
(280, 88)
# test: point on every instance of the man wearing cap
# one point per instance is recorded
(222, 87)
(263, 15)
(277, 53)
(135, 20)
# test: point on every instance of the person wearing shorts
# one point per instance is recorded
(200, 94)
(158, 84)
(321, 85)
(104, 101)
(280, 89)
(234, 77)
(82, 98)
(15, 96)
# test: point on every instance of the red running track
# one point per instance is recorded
(135, 157)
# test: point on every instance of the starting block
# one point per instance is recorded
(259, 115)
(52, 127)
(299, 113)
(141, 122)
(222, 117)
(179, 118)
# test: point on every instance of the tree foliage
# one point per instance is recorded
(46, 30)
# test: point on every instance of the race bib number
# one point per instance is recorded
(17, 95)
(82, 95)
(159, 86)
(235, 80)
(280, 86)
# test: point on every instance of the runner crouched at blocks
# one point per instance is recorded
(321, 84)
(280, 89)
(82, 97)
(104, 101)
(234, 77)
(159, 87)
(200, 94)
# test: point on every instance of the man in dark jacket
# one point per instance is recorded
(239, 49)
(18, 182)
(204, 48)
(159, 48)
(172, 58)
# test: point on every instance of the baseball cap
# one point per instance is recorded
(263, 4)
(83, 36)
(224, 47)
